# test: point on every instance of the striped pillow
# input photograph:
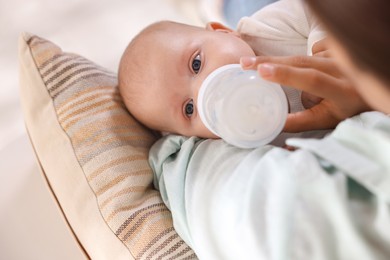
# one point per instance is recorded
(94, 156)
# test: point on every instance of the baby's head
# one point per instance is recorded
(163, 67)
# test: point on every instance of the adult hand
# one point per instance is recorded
(317, 75)
(320, 49)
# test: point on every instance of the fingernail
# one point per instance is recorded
(247, 61)
(266, 70)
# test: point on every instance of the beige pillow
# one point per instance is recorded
(93, 155)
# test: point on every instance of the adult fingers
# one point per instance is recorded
(310, 80)
(315, 118)
(323, 54)
(323, 64)
(320, 46)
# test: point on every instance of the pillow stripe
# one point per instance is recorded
(94, 109)
(118, 180)
(56, 90)
(183, 253)
(165, 243)
(112, 163)
(47, 67)
(132, 217)
(150, 244)
(87, 108)
(143, 221)
(126, 191)
(68, 73)
(87, 96)
(55, 74)
(149, 197)
(112, 149)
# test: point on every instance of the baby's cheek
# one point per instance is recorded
(203, 132)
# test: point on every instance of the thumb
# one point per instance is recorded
(315, 118)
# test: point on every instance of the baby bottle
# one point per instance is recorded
(240, 107)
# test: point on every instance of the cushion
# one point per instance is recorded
(93, 155)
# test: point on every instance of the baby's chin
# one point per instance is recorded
(207, 135)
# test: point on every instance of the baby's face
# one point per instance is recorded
(177, 60)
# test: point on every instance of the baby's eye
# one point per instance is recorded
(189, 108)
(196, 64)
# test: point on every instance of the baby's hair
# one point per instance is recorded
(133, 67)
(135, 72)
(131, 71)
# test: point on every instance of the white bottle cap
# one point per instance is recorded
(242, 108)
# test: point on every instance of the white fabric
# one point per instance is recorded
(285, 27)
(330, 199)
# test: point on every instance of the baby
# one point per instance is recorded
(163, 67)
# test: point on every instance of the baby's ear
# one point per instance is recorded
(218, 27)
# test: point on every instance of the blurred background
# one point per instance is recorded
(31, 226)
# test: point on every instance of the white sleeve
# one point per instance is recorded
(316, 32)
(285, 27)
